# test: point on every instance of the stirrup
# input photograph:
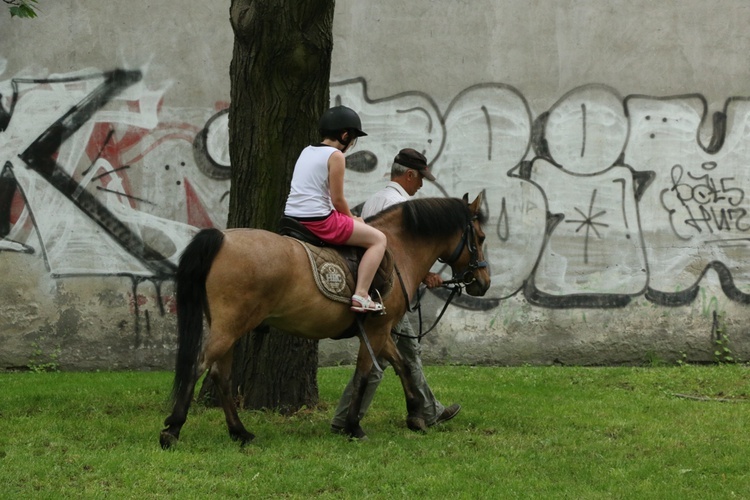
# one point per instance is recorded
(365, 304)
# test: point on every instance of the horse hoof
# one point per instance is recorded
(248, 439)
(167, 440)
(358, 435)
(353, 433)
(243, 437)
(416, 424)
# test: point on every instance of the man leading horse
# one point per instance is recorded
(408, 171)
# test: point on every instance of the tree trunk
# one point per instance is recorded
(280, 75)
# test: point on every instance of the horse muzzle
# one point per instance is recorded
(478, 286)
(476, 282)
(475, 278)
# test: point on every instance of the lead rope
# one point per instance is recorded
(456, 289)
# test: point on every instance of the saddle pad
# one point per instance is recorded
(335, 271)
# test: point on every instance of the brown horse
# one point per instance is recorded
(243, 278)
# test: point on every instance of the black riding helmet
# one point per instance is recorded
(340, 118)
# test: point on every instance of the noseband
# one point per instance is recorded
(466, 275)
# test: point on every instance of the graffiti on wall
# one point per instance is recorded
(600, 199)
(100, 174)
(96, 178)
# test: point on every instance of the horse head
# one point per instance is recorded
(467, 260)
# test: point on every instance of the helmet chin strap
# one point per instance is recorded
(346, 143)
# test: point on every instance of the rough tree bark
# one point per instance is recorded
(280, 75)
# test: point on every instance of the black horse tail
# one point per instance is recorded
(190, 284)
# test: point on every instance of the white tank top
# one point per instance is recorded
(310, 195)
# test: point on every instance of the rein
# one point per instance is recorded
(456, 289)
(457, 283)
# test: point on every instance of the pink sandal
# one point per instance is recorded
(365, 304)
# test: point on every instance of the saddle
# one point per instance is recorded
(335, 267)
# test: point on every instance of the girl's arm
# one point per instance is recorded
(336, 169)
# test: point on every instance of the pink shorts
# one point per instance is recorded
(336, 229)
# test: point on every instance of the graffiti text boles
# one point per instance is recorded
(709, 203)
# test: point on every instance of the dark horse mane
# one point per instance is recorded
(432, 217)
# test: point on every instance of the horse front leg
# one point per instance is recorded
(414, 404)
(221, 374)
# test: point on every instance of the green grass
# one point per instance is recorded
(531, 432)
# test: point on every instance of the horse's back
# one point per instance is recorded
(260, 276)
(255, 258)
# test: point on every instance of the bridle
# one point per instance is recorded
(466, 276)
(457, 283)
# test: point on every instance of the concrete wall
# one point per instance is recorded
(612, 139)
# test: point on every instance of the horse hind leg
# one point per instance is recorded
(221, 374)
(174, 422)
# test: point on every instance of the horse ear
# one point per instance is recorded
(466, 198)
(477, 203)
